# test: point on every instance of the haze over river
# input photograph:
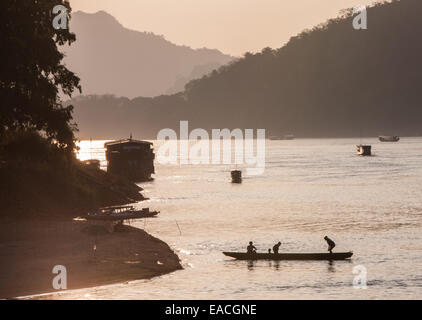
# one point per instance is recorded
(310, 188)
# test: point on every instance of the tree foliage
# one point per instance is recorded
(32, 75)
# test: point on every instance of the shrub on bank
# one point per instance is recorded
(38, 178)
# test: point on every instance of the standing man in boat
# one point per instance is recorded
(251, 248)
(331, 244)
(276, 247)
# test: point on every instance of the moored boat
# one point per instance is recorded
(289, 256)
(93, 163)
(121, 213)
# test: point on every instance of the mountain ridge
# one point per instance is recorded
(144, 63)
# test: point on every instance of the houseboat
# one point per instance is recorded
(130, 158)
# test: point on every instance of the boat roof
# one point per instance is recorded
(124, 141)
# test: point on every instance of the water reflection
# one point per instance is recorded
(251, 265)
(275, 264)
(331, 266)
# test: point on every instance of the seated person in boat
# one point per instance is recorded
(276, 247)
(251, 248)
(331, 244)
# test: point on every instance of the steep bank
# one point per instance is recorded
(30, 249)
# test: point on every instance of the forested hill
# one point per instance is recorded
(331, 81)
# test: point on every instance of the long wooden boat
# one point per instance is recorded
(289, 256)
(125, 215)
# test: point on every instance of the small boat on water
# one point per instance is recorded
(119, 213)
(289, 137)
(290, 256)
(285, 137)
(236, 176)
(389, 138)
(364, 150)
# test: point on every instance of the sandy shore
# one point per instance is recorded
(29, 250)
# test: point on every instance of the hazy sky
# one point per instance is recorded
(232, 26)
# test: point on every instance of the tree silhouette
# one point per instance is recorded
(32, 75)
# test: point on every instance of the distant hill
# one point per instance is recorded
(111, 59)
(197, 73)
(331, 81)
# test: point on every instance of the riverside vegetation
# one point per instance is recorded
(42, 184)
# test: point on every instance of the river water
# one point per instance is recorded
(310, 188)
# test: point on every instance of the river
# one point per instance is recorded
(310, 188)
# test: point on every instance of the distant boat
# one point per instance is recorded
(119, 213)
(236, 176)
(364, 150)
(389, 138)
(289, 137)
(289, 256)
(285, 137)
(93, 163)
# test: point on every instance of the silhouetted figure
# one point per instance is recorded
(276, 247)
(331, 244)
(251, 248)
(269, 251)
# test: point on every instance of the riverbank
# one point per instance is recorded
(30, 249)
(51, 190)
